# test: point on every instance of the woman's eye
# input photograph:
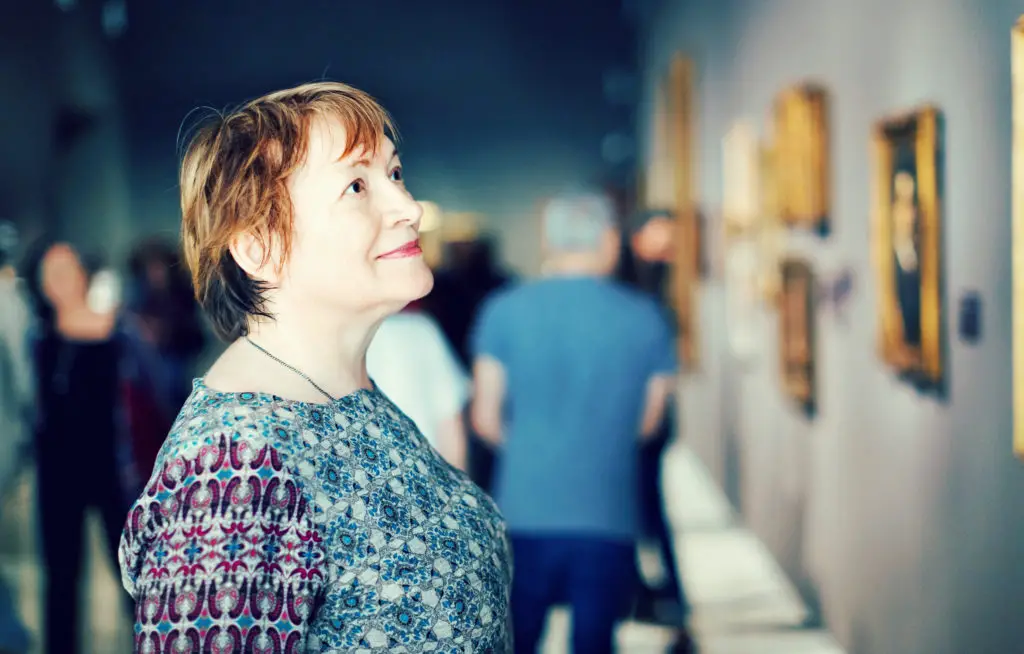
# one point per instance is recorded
(355, 187)
(396, 175)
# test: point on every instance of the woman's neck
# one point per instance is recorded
(331, 353)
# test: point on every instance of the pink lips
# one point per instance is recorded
(410, 249)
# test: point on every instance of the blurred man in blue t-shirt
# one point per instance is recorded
(570, 373)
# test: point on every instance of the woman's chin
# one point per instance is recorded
(424, 283)
(415, 285)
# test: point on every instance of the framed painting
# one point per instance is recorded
(741, 180)
(740, 225)
(796, 332)
(1017, 67)
(657, 173)
(906, 243)
(687, 265)
(801, 141)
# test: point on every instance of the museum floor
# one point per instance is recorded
(742, 602)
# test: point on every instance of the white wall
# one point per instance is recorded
(902, 511)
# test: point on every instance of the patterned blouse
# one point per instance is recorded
(277, 526)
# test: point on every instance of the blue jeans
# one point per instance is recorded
(595, 576)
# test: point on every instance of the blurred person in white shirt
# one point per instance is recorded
(412, 362)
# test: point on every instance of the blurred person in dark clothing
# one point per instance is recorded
(470, 275)
(161, 297)
(584, 366)
(652, 247)
(651, 251)
(102, 413)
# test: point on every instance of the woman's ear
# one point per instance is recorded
(256, 256)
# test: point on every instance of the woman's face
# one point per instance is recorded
(356, 229)
(63, 277)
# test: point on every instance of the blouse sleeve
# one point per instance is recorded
(221, 553)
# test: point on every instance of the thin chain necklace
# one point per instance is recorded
(293, 369)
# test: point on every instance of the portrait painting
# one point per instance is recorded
(740, 224)
(741, 180)
(801, 141)
(796, 332)
(906, 242)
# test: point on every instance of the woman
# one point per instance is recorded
(651, 248)
(99, 393)
(293, 507)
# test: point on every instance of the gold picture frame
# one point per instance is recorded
(1017, 68)
(687, 266)
(657, 178)
(796, 331)
(906, 239)
(801, 141)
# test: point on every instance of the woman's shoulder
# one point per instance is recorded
(221, 468)
(250, 421)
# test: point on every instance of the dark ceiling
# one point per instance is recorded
(494, 98)
(477, 54)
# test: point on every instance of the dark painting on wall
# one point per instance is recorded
(796, 332)
(905, 235)
(907, 244)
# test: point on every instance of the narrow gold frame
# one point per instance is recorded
(799, 385)
(686, 266)
(926, 360)
(1017, 66)
(801, 140)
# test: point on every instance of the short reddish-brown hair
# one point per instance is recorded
(234, 177)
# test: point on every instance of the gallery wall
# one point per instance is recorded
(898, 513)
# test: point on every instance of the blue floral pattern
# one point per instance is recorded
(301, 527)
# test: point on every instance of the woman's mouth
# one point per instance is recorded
(410, 249)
